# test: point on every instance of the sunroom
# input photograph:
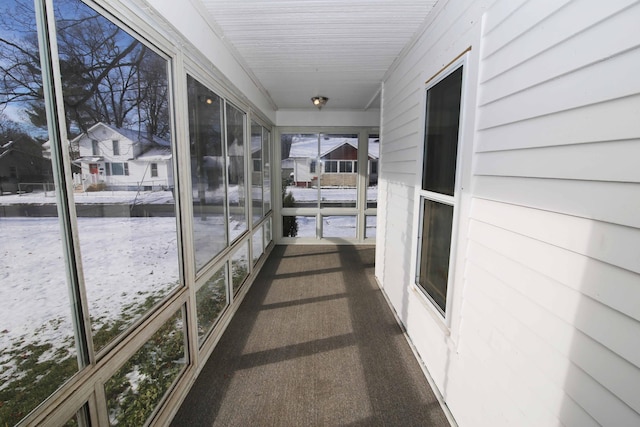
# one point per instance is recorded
(471, 163)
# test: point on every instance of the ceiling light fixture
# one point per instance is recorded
(319, 101)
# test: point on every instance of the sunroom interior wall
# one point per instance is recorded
(453, 27)
(544, 314)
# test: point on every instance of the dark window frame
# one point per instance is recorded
(437, 190)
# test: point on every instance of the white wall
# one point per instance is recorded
(544, 326)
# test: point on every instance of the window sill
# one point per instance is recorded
(440, 321)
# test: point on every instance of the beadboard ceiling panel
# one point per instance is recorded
(296, 49)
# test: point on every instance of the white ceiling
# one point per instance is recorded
(296, 49)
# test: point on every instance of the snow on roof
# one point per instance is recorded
(308, 147)
(156, 153)
(130, 134)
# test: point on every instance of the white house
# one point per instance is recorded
(121, 159)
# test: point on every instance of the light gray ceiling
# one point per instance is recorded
(297, 49)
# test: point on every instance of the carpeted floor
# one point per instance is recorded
(313, 344)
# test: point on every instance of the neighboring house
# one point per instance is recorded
(337, 165)
(121, 159)
(22, 165)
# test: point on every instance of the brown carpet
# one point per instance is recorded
(314, 343)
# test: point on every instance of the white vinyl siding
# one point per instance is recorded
(545, 324)
(551, 241)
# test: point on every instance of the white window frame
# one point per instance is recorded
(454, 201)
(115, 146)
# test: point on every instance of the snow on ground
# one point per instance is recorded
(124, 261)
(92, 197)
(303, 194)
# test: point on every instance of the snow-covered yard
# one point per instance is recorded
(125, 261)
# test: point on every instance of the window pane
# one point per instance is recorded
(37, 345)
(339, 226)
(116, 88)
(207, 172)
(299, 184)
(240, 266)
(256, 171)
(338, 180)
(299, 226)
(266, 169)
(235, 154)
(211, 300)
(139, 386)
(257, 242)
(434, 250)
(372, 182)
(267, 232)
(441, 136)
(370, 231)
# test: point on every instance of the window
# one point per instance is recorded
(437, 194)
(257, 198)
(154, 170)
(117, 168)
(116, 147)
(107, 168)
(95, 148)
(236, 171)
(312, 166)
(346, 166)
(330, 166)
(207, 172)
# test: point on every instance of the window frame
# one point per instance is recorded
(421, 195)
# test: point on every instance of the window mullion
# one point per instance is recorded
(61, 161)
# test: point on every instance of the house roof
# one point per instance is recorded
(155, 154)
(308, 147)
(132, 135)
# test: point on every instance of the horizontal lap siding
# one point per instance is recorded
(452, 29)
(553, 258)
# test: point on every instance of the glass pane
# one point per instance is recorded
(338, 170)
(441, 136)
(372, 182)
(37, 346)
(256, 171)
(258, 248)
(339, 226)
(116, 88)
(370, 231)
(235, 154)
(207, 172)
(80, 419)
(240, 266)
(267, 232)
(435, 246)
(299, 170)
(211, 300)
(299, 226)
(138, 387)
(266, 169)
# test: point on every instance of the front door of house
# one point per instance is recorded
(93, 168)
